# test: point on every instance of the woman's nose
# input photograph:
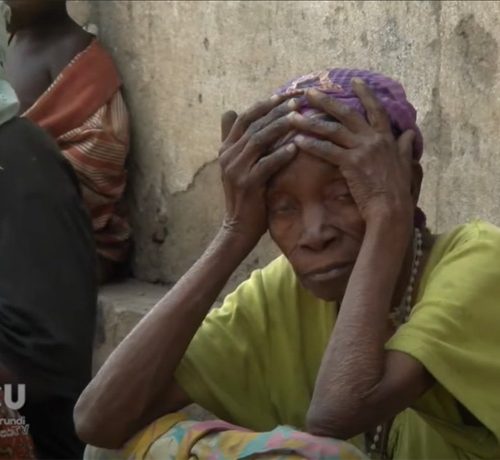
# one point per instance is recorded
(317, 234)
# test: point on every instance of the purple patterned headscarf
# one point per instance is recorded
(389, 92)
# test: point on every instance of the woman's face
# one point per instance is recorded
(316, 224)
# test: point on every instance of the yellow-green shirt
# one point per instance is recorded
(254, 361)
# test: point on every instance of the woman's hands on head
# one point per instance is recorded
(376, 166)
(248, 162)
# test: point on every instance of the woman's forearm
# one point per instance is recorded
(139, 372)
(353, 363)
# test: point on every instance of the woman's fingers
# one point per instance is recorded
(327, 129)
(375, 112)
(227, 122)
(346, 115)
(243, 155)
(286, 107)
(322, 149)
(254, 113)
(269, 165)
(260, 143)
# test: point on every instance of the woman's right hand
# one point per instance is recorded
(247, 163)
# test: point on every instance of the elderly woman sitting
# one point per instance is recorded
(367, 329)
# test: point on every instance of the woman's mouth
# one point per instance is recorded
(329, 272)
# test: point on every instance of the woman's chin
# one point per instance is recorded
(330, 292)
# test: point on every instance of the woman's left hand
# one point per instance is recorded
(376, 166)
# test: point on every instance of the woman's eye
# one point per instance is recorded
(342, 197)
(282, 208)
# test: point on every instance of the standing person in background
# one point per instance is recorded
(68, 84)
(48, 285)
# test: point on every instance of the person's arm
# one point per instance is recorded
(359, 384)
(136, 384)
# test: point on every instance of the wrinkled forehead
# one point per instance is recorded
(305, 168)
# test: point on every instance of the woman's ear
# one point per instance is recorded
(417, 175)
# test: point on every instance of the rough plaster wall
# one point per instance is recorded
(184, 63)
(469, 184)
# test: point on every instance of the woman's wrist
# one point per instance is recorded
(399, 212)
(391, 223)
(386, 243)
(234, 244)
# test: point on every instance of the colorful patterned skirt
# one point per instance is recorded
(173, 437)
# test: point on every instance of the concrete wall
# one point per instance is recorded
(184, 63)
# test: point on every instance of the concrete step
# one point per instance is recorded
(120, 307)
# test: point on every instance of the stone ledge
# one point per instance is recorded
(120, 307)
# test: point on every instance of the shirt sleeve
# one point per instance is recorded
(454, 327)
(224, 368)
